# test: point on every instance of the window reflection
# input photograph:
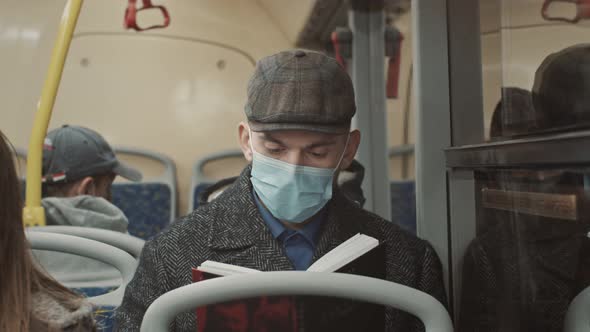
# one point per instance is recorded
(559, 99)
(536, 66)
(531, 256)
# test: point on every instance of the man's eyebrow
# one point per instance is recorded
(320, 144)
(269, 138)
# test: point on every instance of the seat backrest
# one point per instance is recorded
(200, 181)
(165, 308)
(149, 205)
(130, 244)
(403, 204)
(105, 253)
(577, 318)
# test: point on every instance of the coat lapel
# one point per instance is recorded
(266, 254)
(238, 234)
(339, 227)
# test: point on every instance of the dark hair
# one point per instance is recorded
(61, 189)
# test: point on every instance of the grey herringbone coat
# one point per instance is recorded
(231, 230)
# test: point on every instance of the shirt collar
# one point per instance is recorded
(310, 231)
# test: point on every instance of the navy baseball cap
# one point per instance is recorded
(72, 152)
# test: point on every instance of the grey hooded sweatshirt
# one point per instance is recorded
(83, 211)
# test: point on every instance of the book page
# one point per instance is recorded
(222, 269)
(345, 253)
(338, 257)
(335, 252)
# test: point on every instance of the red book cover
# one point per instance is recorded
(261, 314)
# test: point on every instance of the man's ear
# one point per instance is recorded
(244, 140)
(351, 149)
(86, 186)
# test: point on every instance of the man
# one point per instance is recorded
(284, 212)
(79, 168)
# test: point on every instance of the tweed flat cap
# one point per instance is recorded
(300, 90)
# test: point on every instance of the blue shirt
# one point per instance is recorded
(299, 245)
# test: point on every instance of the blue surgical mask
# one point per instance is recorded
(292, 193)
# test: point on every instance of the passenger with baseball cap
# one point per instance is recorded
(79, 161)
(79, 168)
(284, 211)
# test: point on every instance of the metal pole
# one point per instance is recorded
(33, 213)
(465, 90)
(433, 122)
(367, 22)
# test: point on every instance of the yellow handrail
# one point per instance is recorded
(33, 213)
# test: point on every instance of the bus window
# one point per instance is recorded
(535, 66)
(531, 256)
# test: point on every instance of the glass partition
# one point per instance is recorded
(536, 66)
(531, 254)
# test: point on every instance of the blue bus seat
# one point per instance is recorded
(403, 192)
(198, 190)
(151, 204)
(104, 316)
(200, 182)
(93, 291)
(148, 206)
(403, 204)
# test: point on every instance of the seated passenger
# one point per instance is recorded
(79, 168)
(514, 114)
(29, 299)
(284, 211)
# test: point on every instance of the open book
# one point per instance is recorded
(356, 255)
(337, 258)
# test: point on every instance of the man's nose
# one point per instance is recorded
(295, 157)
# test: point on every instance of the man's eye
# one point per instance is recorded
(318, 154)
(275, 151)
